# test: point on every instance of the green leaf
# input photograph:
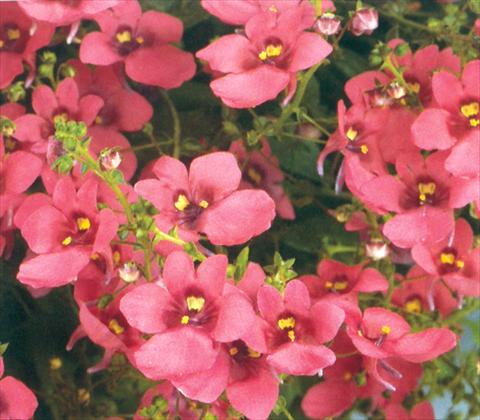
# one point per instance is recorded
(241, 264)
(117, 176)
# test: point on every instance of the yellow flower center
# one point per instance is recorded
(351, 134)
(83, 223)
(471, 111)
(450, 259)
(13, 34)
(124, 37)
(254, 176)
(271, 51)
(195, 303)
(285, 323)
(386, 330)
(115, 327)
(185, 319)
(426, 188)
(67, 241)
(338, 285)
(182, 202)
(364, 149)
(233, 351)
(203, 204)
(413, 306)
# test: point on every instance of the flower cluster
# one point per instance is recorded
(149, 251)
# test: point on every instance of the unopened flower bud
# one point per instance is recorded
(110, 159)
(129, 272)
(328, 24)
(396, 91)
(364, 21)
(55, 363)
(309, 131)
(376, 249)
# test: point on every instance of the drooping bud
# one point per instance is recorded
(376, 249)
(110, 159)
(129, 272)
(364, 21)
(327, 24)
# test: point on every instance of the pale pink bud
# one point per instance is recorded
(327, 24)
(364, 21)
(376, 249)
(129, 272)
(110, 159)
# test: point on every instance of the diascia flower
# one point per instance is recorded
(297, 329)
(187, 316)
(65, 234)
(142, 42)
(206, 199)
(17, 401)
(17, 43)
(455, 121)
(264, 61)
(453, 260)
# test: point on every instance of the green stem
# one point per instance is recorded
(296, 136)
(176, 125)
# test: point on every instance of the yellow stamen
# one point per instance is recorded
(98, 120)
(427, 188)
(351, 134)
(67, 241)
(413, 306)
(139, 40)
(364, 149)
(414, 87)
(253, 354)
(254, 176)
(115, 327)
(83, 223)
(422, 197)
(291, 335)
(1, 43)
(340, 285)
(195, 303)
(447, 258)
(470, 110)
(116, 257)
(386, 330)
(233, 351)
(13, 34)
(273, 9)
(360, 334)
(474, 122)
(124, 37)
(347, 376)
(203, 204)
(328, 285)
(460, 264)
(285, 323)
(271, 51)
(95, 256)
(185, 319)
(182, 202)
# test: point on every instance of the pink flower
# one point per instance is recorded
(142, 42)
(239, 12)
(206, 199)
(423, 196)
(421, 411)
(18, 43)
(187, 317)
(264, 61)
(455, 121)
(380, 334)
(64, 13)
(297, 329)
(17, 400)
(65, 234)
(453, 259)
(260, 169)
(364, 21)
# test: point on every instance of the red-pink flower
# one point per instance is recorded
(206, 199)
(455, 121)
(142, 42)
(297, 329)
(64, 12)
(19, 42)
(453, 259)
(65, 234)
(364, 21)
(421, 411)
(264, 61)
(260, 169)
(17, 401)
(187, 317)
